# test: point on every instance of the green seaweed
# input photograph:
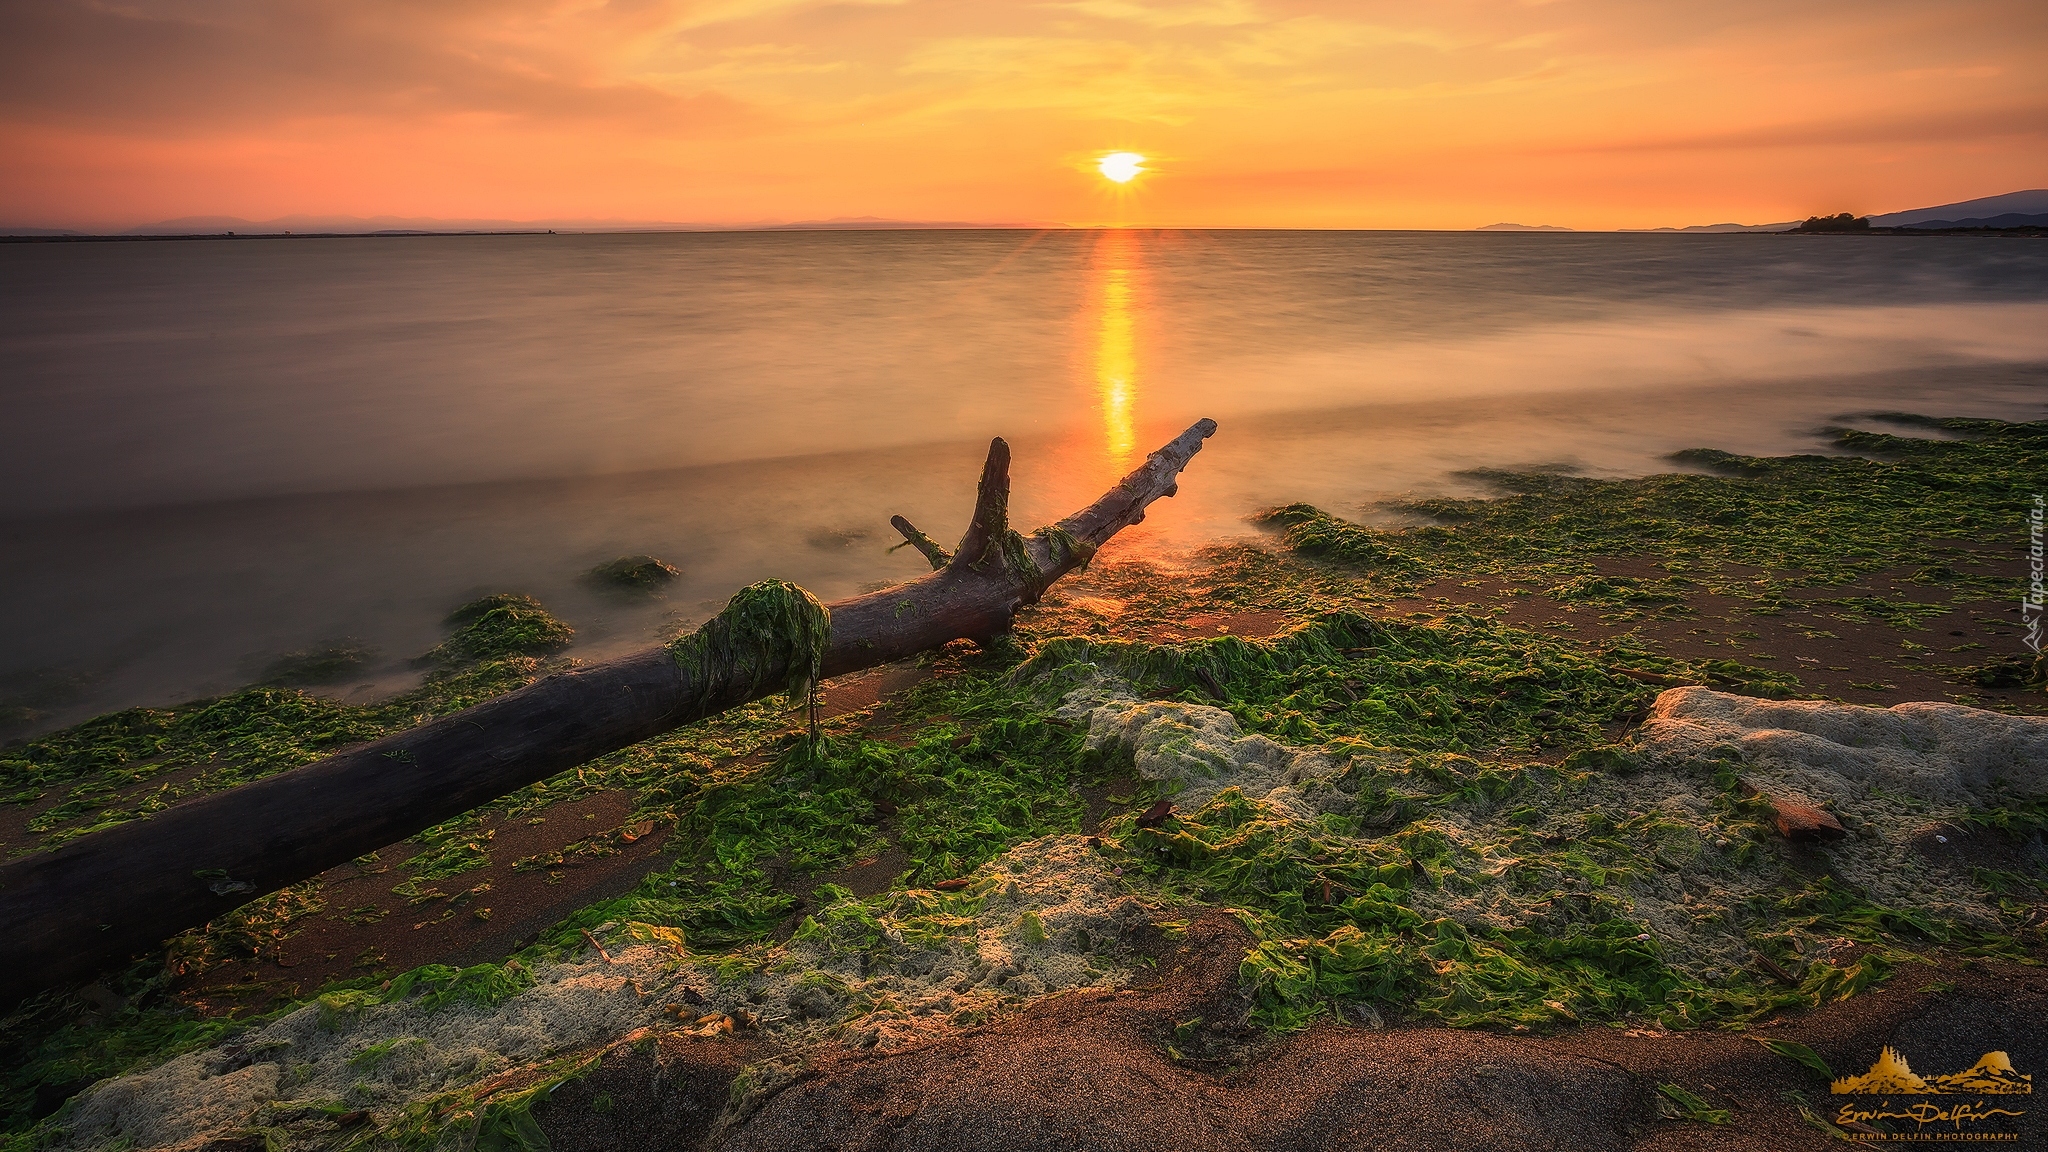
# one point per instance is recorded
(55, 1045)
(495, 1115)
(325, 664)
(1800, 521)
(1457, 683)
(1798, 1054)
(134, 763)
(770, 634)
(501, 625)
(1675, 1103)
(433, 985)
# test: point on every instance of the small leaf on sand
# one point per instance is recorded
(1798, 1052)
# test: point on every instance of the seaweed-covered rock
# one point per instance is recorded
(505, 624)
(323, 664)
(634, 574)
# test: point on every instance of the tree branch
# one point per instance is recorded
(991, 523)
(912, 538)
(98, 900)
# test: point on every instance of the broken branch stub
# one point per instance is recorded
(99, 900)
(912, 538)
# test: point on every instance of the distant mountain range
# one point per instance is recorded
(417, 225)
(1781, 226)
(2032, 204)
(2003, 220)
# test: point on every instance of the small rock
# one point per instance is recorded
(1800, 821)
(1156, 815)
(634, 573)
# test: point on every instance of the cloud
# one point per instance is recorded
(1216, 13)
(1173, 75)
(704, 15)
(171, 66)
(1952, 125)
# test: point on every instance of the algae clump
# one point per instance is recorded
(507, 624)
(321, 665)
(634, 574)
(771, 634)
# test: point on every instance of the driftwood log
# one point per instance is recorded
(98, 901)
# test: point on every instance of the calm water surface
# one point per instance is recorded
(214, 452)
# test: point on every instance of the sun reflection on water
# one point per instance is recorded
(1116, 351)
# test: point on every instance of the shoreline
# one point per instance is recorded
(1582, 600)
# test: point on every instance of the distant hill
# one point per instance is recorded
(1781, 226)
(365, 225)
(403, 225)
(877, 223)
(1521, 228)
(2005, 220)
(2032, 202)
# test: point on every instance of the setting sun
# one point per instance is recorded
(1122, 167)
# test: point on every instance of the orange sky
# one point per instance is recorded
(1283, 113)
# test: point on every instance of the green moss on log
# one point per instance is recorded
(771, 633)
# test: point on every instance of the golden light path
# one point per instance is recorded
(1116, 351)
(1121, 167)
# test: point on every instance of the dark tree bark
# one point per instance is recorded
(101, 899)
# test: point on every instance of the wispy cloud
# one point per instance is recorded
(1213, 13)
(1272, 111)
(711, 12)
(1954, 125)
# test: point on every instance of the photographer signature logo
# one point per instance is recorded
(1980, 1096)
(2033, 599)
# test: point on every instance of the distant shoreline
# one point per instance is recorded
(2028, 232)
(2025, 231)
(391, 235)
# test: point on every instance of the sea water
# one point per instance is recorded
(214, 452)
